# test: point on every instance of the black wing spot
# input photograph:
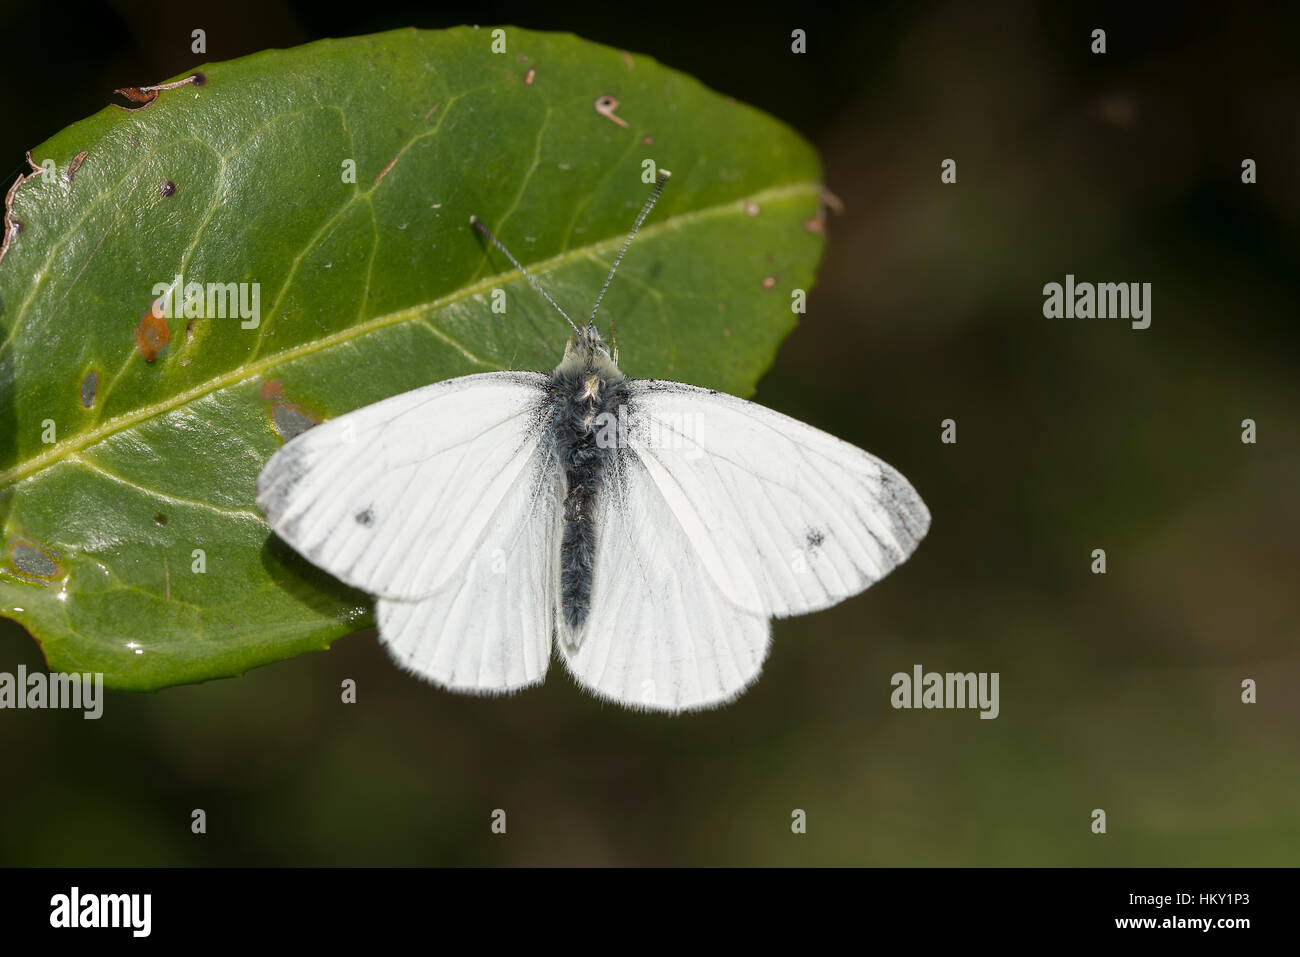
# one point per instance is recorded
(814, 538)
(366, 518)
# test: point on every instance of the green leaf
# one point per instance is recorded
(131, 542)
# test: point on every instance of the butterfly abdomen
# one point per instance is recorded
(588, 399)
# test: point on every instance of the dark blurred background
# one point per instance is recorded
(1118, 691)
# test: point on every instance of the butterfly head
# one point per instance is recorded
(586, 346)
(587, 353)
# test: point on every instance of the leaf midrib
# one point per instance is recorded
(57, 452)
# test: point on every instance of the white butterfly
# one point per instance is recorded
(648, 530)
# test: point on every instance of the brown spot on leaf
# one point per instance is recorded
(138, 94)
(606, 105)
(391, 163)
(160, 518)
(11, 226)
(76, 165)
(145, 95)
(152, 335)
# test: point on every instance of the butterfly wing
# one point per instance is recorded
(716, 515)
(786, 519)
(395, 497)
(489, 629)
(659, 634)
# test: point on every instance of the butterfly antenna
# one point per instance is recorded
(487, 234)
(660, 183)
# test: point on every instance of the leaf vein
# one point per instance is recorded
(65, 447)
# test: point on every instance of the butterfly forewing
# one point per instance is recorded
(395, 497)
(785, 518)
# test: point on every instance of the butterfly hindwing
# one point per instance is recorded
(660, 635)
(489, 629)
